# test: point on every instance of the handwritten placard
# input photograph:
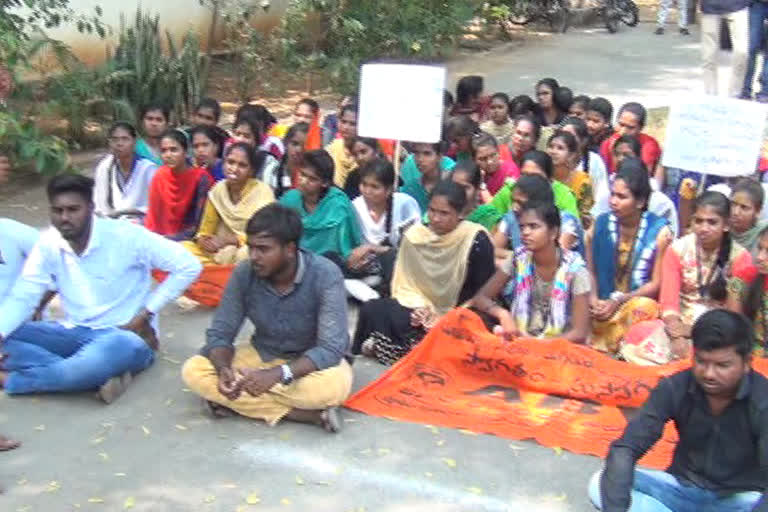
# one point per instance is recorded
(401, 102)
(712, 135)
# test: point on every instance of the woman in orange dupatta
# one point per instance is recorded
(178, 192)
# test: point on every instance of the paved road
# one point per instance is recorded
(153, 450)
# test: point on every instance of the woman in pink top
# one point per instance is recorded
(696, 276)
(485, 150)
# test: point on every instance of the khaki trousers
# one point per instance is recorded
(315, 391)
(738, 23)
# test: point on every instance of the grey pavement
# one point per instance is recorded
(153, 450)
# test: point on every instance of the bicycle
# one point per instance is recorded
(523, 12)
(615, 11)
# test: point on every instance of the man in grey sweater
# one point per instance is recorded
(294, 367)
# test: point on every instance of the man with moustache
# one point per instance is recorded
(720, 410)
(294, 366)
(101, 269)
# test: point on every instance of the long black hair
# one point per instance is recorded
(754, 296)
(581, 131)
(280, 173)
(722, 206)
(382, 171)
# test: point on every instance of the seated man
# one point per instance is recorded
(293, 368)
(101, 270)
(720, 409)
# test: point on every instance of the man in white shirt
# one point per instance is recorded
(101, 269)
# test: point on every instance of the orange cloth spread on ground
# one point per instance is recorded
(558, 393)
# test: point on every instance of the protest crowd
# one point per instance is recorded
(549, 217)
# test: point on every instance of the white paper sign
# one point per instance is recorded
(401, 102)
(712, 135)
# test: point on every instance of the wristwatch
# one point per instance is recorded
(287, 374)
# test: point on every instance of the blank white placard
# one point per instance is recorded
(401, 102)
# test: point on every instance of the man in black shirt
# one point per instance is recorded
(720, 410)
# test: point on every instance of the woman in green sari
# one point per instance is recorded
(468, 175)
(747, 198)
(329, 220)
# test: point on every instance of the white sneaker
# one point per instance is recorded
(359, 290)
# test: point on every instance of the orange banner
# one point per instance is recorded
(555, 392)
(209, 287)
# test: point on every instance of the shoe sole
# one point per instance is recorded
(114, 387)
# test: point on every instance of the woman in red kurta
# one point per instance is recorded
(178, 192)
(631, 121)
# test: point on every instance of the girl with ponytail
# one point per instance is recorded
(698, 274)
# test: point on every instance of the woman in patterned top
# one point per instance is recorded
(564, 150)
(546, 287)
(749, 292)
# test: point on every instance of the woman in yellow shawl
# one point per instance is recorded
(231, 202)
(438, 267)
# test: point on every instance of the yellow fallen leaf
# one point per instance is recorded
(22, 481)
(53, 486)
(433, 429)
(516, 448)
(285, 436)
(449, 462)
(168, 402)
(120, 474)
(171, 360)
(384, 451)
(299, 480)
(286, 501)
(181, 427)
(169, 335)
(230, 486)
(25, 508)
(350, 420)
(367, 451)
(97, 440)
(95, 500)
(104, 456)
(561, 497)
(253, 499)
(558, 451)
(186, 390)
(210, 498)
(360, 509)
(428, 474)
(146, 430)
(241, 508)
(468, 432)
(440, 442)
(129, 503)
(40, 428)
(475, 490)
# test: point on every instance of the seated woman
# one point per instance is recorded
(546, 287)
(525, 137)
(749, 292)
(330, 223)
(438, 267)
(627, 148)
(248, 129)
(469, 98)
(263, 140)
(695, 273)
(534, 188)
(499, 125)
(207, 145)
(747, 198)
(340, 148)
(631, 121)
(178, 192)
(625, 250)
(306, 111)
(563, 149)
(383, 216)
(591, 163)
(410, 172)
(122, 178)
(540, 163)
(470, 178)
(155, 120)
(548, 111)
(431, 167)
(459, 132)
(579, 107)
(286, 175)
(231, 203)
(598, 117)
(495, 171)
(364, 150)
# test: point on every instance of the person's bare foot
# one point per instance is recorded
(328, 419)
(8, 444)
(114, 387)
(331, 420)
(216, 411)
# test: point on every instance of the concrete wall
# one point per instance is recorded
(178, 16)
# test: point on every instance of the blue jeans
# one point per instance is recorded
(659, 491)
(48, 357)
(758, 13)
